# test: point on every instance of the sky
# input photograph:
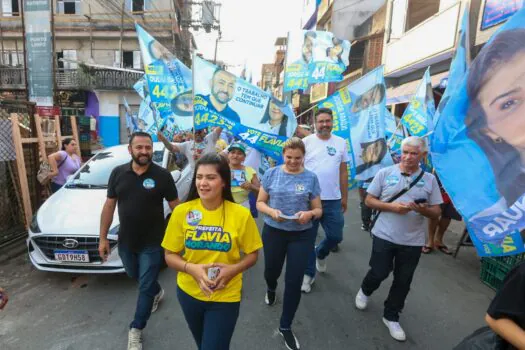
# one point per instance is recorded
(249, 29)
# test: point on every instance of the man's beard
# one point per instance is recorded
(324, 132)
(221, 100)
(141, 159)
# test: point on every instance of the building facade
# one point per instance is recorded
(96, 54)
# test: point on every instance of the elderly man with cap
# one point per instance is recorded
(244, 178)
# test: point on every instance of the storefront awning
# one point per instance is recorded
(403, 93)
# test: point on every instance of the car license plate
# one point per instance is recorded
(80, 256)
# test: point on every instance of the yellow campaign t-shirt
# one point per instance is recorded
(207, 237)
(240, 195)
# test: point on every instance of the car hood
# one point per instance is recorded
(73, 212)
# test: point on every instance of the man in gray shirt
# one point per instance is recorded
(400, 230)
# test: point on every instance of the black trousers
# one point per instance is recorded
(295, 247)
(388, 256)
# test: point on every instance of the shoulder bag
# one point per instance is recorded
(45, 169)
(376, 213)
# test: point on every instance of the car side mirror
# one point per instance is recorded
(176, 174)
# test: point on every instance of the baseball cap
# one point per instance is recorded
(237, 145)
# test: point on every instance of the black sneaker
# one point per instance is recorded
(365, 227)
(290, 340)
(269, 298)
(335, 249)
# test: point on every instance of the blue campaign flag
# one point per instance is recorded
(478, 145)
(131, 118)
(458, 66)
(221, 99)
(314, 57)
(360, 108)
(169, 83)
(393, 134)
(418, 117)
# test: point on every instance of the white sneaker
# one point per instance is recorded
(157, 300)
(395, 329)
(135, 339)
(320, 265)
(307, 284)
(361, 300)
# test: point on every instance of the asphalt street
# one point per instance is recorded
(63, 311)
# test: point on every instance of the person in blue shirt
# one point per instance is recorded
(222, 91)
(290, 199)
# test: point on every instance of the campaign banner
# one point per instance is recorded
(458, 66)
(481, 130)
(498, 11)
(340, 103)
(222, 99)
(314, 57)
(168, 82)
(418, 116)
(360, 108)
(39, 51)
(393, 134)
(367, 124)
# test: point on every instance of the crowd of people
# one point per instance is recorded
(212, 237)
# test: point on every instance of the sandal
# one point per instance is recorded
(427, 250)
(444, 249)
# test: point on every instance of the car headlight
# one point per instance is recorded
(34, 224)
(114, 230)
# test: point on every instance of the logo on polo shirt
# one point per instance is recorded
(420, 183)
(208, 238)
(331, 150)
(299, 188)
(392, 180)
(193, 217)
(148, 184)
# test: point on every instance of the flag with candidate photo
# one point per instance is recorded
(255, 116)
(418, 116)
(314, 57)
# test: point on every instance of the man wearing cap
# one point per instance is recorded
(244, 178)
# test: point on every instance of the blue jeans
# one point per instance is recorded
(143, 267)
(211, 323)
(295, 246)
(333, 223)
(387, 256)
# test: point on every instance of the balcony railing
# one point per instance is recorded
(74, 79)
(12, 78)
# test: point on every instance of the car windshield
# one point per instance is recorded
(95, 173)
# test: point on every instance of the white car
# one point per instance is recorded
(64, 233)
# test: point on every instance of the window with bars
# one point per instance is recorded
(68, 7)
(10, 8)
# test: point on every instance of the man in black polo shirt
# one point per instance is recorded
(139, 188)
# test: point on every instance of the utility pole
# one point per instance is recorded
(216, 46)
(121, 33)
(22, 10)
(90, 33)
(54, 58)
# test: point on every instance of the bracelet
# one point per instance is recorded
(185, 264)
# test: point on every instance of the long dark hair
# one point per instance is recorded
(504, 159)
(66, 142)
(284, 121)
(223, 168)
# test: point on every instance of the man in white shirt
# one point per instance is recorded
(400, 230)
(327, 155)
(203, 143)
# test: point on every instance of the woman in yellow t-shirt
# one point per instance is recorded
(244, 178)
(203, 241)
